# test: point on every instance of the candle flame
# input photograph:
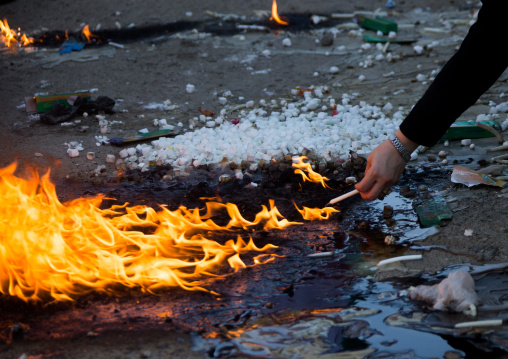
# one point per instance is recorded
(275, 15)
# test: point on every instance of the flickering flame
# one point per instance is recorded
(275, 15)
(312, 176)
(10, 37)
(311, 214)
(87, 34)
(50, 249)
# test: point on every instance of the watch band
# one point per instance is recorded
(400, 147)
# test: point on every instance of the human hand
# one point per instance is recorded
(384, 168)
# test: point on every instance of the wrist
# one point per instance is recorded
(399, 146)
(409, 145)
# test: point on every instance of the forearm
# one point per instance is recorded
(480, 60)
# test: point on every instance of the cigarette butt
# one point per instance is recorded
(400, 259)
(480, 323)
(320, 254)
(344, 196)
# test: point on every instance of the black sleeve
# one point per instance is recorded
(481, 59)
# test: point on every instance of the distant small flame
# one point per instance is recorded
(10, 37)
(275, 15)
(86, 33)
(302, 167)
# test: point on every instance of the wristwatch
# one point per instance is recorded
(400, 147)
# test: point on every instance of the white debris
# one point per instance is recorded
(266, 53)
(110, 158)
(361, 78)
(418, 49)
(366, 46)
(468, 232)
(286, 42)
(190, 88)
(472, 146)
(414, 156)
(442, 154)
(446, 143)
(465, 142)
(123, 153)
(333, 70)
(144, 130)
(444, 162)
(73, 152)
(249, 104)
(350, 180)
(456, 293)
(387, 107)
(223, 100)
(392, 35)
(421, 77)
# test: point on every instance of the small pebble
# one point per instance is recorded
(444, 162)
(468, 232)
(190, 88)
(390, 240)
(90, 156)
(286, 42)
(446, 143)
(442, 154)
(110, 158)
(350, 180)
(465, 142)
(472, 146)
(334, 70)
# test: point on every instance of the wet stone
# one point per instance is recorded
(245, 164)
(387, 212)
(407, 192)
(452, 355)
(327, 39)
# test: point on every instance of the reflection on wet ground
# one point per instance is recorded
(295, 306)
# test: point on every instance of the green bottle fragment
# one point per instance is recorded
(432, 210)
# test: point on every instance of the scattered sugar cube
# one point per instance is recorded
(286, 42)
(73, 152)
(110, 158)
(190, 88)
(334, 70)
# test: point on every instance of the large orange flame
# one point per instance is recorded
(61, 250)
(275, 15)
(10, 37)
(302, 167)
(50, 249)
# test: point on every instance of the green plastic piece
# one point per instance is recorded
(431, 211)
(370, 38)
(377, 24)
(45, 103)
(461, 130)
